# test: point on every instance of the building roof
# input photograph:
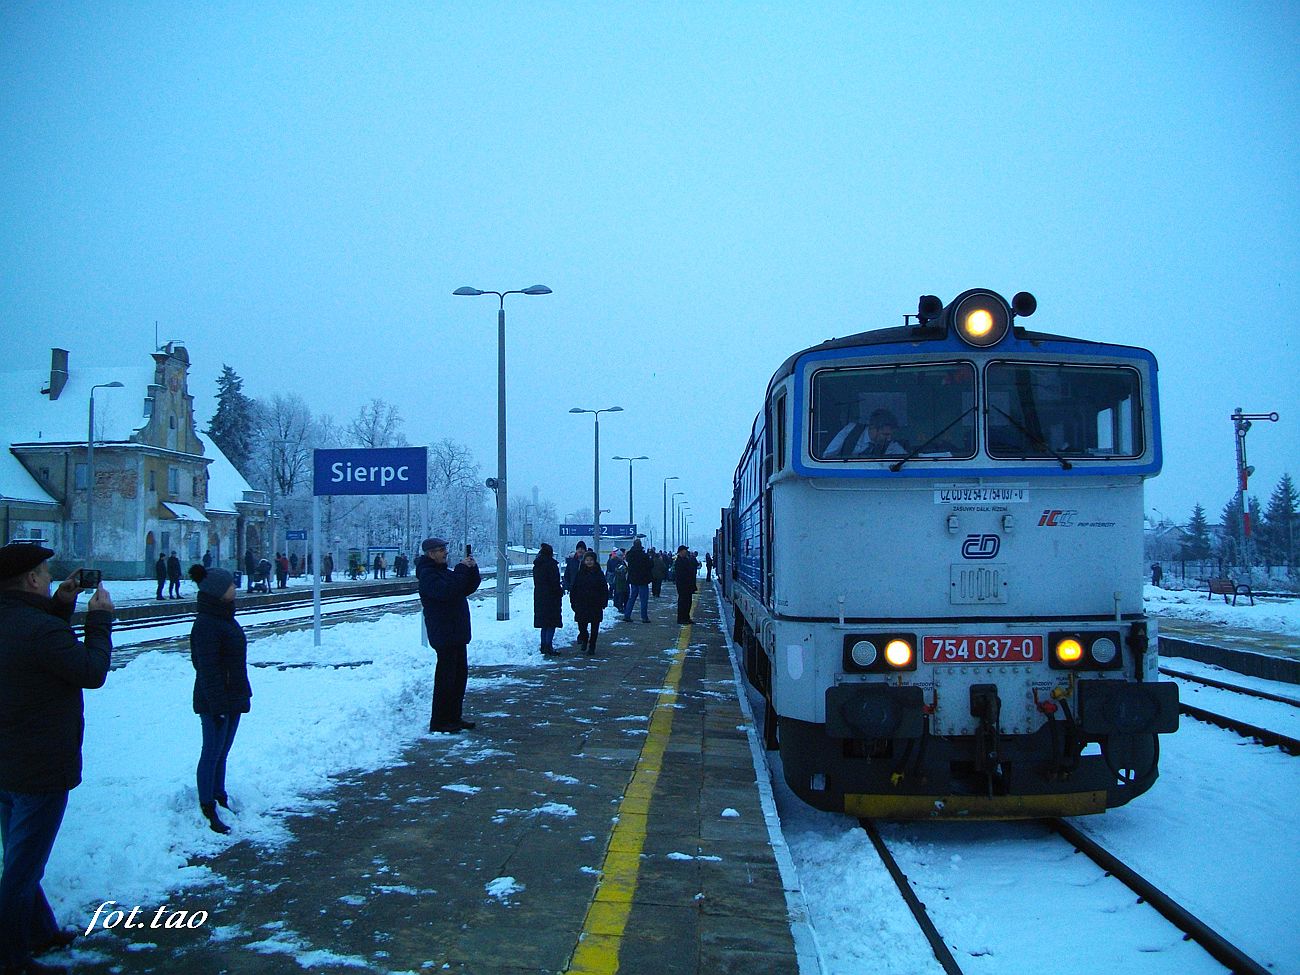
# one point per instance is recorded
(29, 418)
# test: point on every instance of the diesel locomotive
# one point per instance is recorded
(934, 559)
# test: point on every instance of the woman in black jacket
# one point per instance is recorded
(548, 597)
(219, 652)
(589, 595)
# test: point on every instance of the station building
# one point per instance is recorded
(160, 485)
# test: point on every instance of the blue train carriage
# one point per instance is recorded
(935, 562)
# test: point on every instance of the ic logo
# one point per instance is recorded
(1052, 518)
(981, 547)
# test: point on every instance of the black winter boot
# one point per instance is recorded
(209, 810)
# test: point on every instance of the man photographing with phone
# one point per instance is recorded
(444, 596)
(43, 668)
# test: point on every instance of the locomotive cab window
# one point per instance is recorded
(1055, 410)
(881, 413)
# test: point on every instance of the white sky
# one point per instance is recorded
(297, 190)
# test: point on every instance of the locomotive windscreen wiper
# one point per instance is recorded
(1034, 438)
(898, 464)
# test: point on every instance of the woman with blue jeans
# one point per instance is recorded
(219, 652)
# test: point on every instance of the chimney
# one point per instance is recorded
(58, 373)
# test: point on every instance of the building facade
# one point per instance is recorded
(152, 485)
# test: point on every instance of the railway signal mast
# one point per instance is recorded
(1241, 422)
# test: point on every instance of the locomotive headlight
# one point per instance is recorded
(1104, 650)
(864, 653)
(1069, 650)
(898, 653)
(982, 319)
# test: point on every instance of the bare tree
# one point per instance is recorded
(377, 425)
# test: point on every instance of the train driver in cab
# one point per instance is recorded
(875, 438)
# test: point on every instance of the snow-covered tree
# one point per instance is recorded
(232, 425)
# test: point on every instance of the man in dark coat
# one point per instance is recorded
(160, 573)
(173, 577)
(589, 595)
(573, 563)
(327, 566)
(444, 596)
(639, 574)
(658, 571)
(684, 570)
(43, 669)
(548, 598)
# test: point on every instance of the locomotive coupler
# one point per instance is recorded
(987, 706)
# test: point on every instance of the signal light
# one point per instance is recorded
(1069, 651)
(982, 318)
(863, 653)
(898, 653)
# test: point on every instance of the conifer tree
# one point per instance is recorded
(1198, 545)
(232, 426)
(1279, 522)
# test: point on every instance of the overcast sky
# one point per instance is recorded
(296, 189)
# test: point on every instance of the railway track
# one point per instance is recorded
(1265, 736)
(1193, 929)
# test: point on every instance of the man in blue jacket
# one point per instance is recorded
(43, 668)
(444, 596)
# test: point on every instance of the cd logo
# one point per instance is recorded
(981, 547)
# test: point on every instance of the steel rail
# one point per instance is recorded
(1217, 946)
(1273, 739)
(1224, 685)
(941, 952)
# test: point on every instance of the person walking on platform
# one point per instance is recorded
(548, 597)
(43, 670)
(219, 653)
(708, 567)
(639, 575)
(588, 595)
(173, 577)
(684, 570)
(160, 573)
(615, 566)
(444, 597)
(658, 571)
(327, 566)
(573, 563)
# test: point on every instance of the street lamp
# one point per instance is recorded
(503, 565)
(630, 517)
(90, 474)
(673, 501)
(595, 528)
(683, 509)
(663, 542)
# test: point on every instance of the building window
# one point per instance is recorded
(79, 538)
(80, 477)
(171, 423)
(173, 481)
(148, 408)
(152, 483)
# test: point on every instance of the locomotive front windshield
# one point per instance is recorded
(885, 412)
(1037, 409)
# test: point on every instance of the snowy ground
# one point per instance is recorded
(1219, 828)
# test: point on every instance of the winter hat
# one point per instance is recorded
(19, 557)
(432, 544)
(214, 582)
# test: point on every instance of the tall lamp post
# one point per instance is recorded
(595, 528)
(683, 510)
(673, 501)
(90, 474)
(663, 542)
(503, 563)
(630, 517)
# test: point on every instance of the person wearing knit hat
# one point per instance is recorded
(43, 670)
(444, 598)
(222, 694)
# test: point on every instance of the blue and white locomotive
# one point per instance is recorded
(934, 555)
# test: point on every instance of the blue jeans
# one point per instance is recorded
(632, 592)
(218, 735)
(548, 637)
(29, 822)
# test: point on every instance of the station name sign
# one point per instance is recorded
(381, 470)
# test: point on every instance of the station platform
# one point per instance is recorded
(604, 816)
(1257, 653)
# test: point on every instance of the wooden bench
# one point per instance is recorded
(1226, 588)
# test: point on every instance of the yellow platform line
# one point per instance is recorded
(606, 921)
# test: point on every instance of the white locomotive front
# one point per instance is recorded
(935, 557)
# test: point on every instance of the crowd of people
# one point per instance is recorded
(44, 669)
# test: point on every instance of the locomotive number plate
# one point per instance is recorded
(982, 649)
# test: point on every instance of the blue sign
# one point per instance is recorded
(606, 531)
(381, 470)
(296, 535)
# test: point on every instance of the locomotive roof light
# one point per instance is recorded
(1104, 650)
(981, 318)
(864, 653)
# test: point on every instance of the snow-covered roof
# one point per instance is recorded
(17, 483)
(28, 416)
(225, 484)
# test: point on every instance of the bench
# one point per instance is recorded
(1226, 588)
